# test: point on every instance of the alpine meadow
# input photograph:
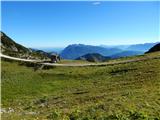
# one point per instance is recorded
(80, 60)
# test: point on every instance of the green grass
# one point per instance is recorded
(128, 91)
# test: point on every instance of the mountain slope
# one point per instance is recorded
(154, 48)
(93, 57)
(11, 48)
(76, 50)
(7, 44)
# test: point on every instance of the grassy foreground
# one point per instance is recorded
(128, 91)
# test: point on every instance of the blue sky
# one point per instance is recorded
(58, 24)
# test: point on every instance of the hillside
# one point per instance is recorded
(127, 91)
(77, 50)
(8, 45)
(154, 48)
(11, 48)
(93, 57)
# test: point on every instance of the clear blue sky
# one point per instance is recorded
(57, 24)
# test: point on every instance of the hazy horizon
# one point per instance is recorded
(109, 45)
(56, 24)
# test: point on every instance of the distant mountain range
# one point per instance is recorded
(77, 50)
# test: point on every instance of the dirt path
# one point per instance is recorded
(19, 59)
(75, 64)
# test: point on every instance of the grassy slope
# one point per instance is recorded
(122, 91)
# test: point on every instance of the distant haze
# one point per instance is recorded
(51, 49)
